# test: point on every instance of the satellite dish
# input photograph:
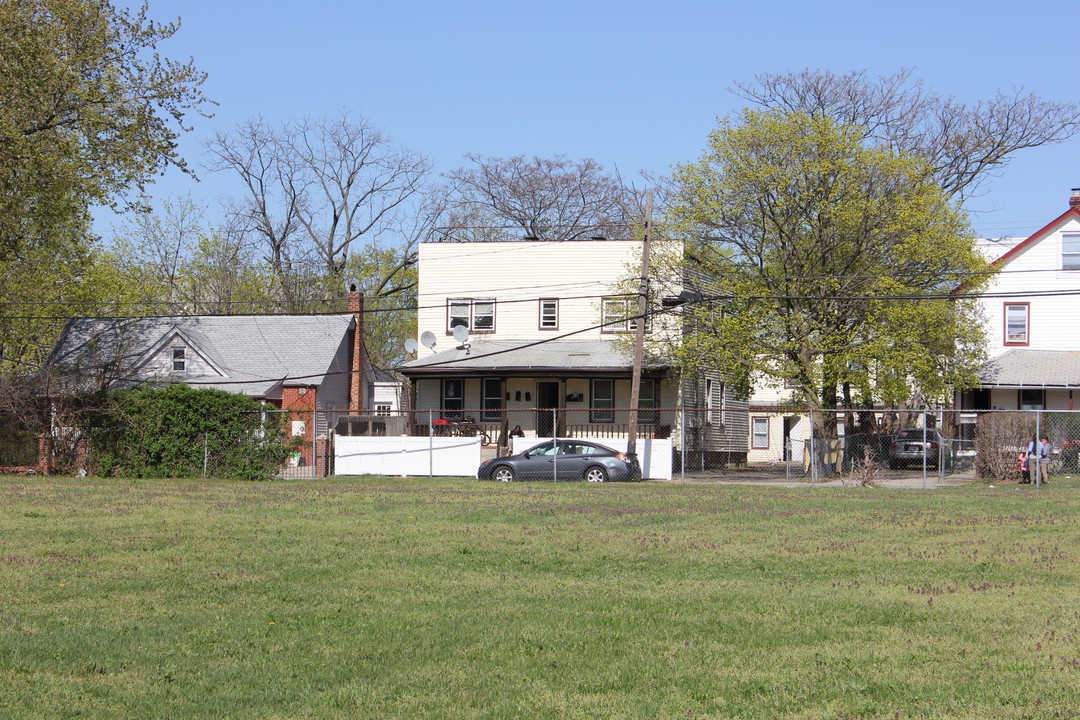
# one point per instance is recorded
(427, 339)
(411, 345)
(461, 333)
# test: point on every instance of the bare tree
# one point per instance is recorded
(963, 143)
(268, 211)
(538, 199)
(313, 188)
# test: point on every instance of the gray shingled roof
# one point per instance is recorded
(256, 353)
(1033, 368)
(524, 357)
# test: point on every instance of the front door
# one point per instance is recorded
(547, 400)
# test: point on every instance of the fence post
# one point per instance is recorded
(786, 453)
(925, 418)
(430, 446)
(682, 445)
(813, 450)
(205, 456)
(1038, 449)
(555, 445)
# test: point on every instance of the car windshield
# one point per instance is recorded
(916, 435)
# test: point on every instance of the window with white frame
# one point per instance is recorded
(179, 359)
(381, 409)
(759, 433)
(476, 314)
(1017, 318)
(493, 399)
(714, 402)
(549, 314)
(619, 315)
(602, 401)
(1070, 251)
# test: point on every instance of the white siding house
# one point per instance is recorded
(1030, 308)
(549, 347)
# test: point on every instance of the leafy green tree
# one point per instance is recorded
(90, 111)
(831, 260)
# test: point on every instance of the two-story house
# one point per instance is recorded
(1029, 307)
(549, 348)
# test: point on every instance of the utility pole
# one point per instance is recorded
(639, 341)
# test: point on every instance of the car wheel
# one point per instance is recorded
(596, 474)
(503, 473)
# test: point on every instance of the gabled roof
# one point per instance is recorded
(522, 357)
(252, 354)
(1019, 368)
(1071, 214)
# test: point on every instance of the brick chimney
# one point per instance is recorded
(356, 364)
(1074, 199)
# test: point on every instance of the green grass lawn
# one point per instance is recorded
(377, 598)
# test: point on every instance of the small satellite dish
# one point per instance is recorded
(461, 333)
(411, 345)
(427, 339)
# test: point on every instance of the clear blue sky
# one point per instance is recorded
(634, 85)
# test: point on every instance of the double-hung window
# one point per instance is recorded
(475, 314)
(549, 314)
(1017, 320)
(179, 360)
(759, 439)
(648, 402)
(452, 394)
(714, 402)
(493, 399)
(602, 401)
(1070, 251)
(620, 315)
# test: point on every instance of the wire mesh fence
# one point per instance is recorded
(894, 447)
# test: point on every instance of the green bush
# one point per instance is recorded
(177, 431)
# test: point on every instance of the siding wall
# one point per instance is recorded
(515, 274)
(1036, 268)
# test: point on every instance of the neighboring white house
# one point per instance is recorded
(1030, 307)
(775, 434)
(549, 349)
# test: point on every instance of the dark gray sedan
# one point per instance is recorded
(563, 460)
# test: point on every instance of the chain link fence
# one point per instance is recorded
(893, 448)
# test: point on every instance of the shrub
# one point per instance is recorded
(999, 437)
(177, 430)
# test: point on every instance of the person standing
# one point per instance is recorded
(1044, 460)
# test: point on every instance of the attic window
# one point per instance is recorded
(1070, 251)
(179, 359)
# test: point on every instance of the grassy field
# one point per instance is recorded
(376, 598)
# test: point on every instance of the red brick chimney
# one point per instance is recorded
(1074, 199)
(356, 364)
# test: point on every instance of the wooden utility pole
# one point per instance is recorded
(639, 341)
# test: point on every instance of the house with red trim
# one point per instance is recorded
(1030, 307)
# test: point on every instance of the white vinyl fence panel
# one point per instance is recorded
(405, 455)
